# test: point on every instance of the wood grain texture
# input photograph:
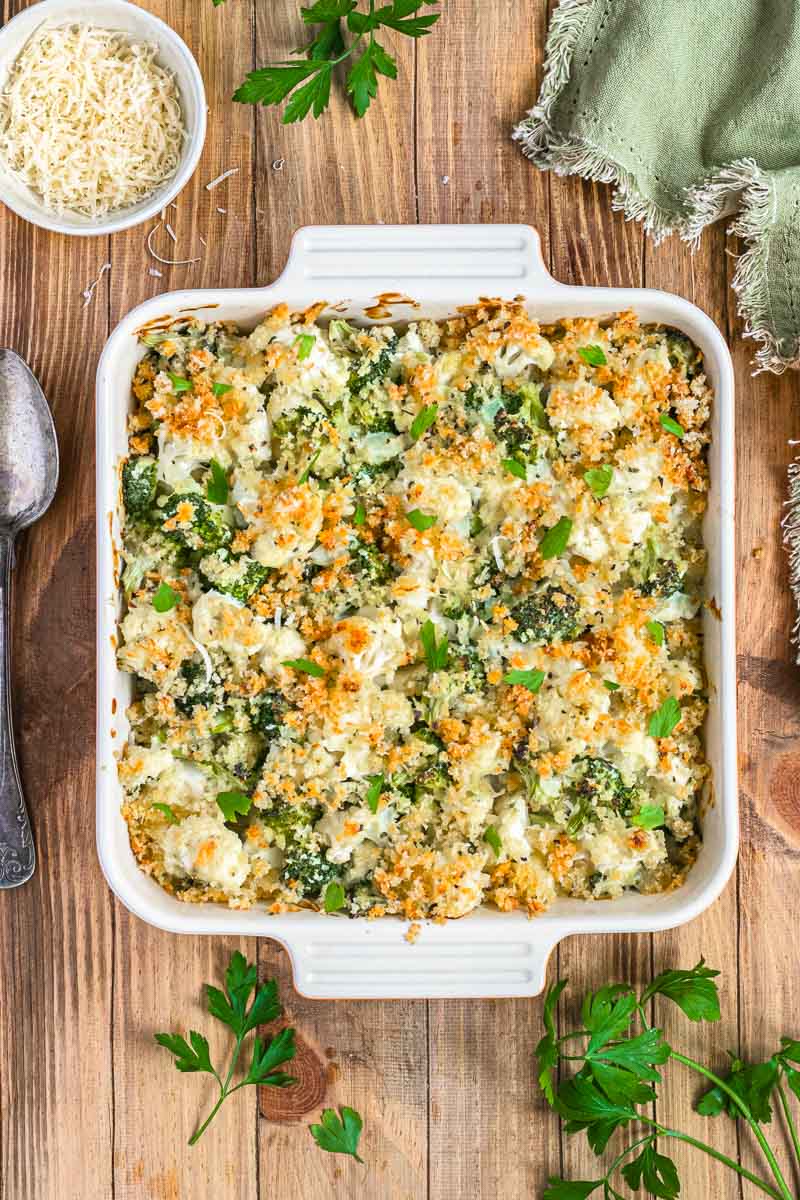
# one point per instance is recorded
(90, 1108)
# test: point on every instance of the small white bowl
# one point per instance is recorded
(173, 53)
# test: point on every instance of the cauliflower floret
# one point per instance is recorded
(512, 825)
(154, 644)
(202, 848)
(140, 764)
(279, 646)
(220, 622)
(371, 646)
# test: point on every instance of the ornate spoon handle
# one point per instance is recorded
(17, 855)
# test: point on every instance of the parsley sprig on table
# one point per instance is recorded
(305, 81)
(234, 1008)
(619, 1053)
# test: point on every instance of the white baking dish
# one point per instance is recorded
(487, 953)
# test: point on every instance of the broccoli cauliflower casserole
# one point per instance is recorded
(413, 614)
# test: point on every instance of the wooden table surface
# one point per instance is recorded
(91, 1108)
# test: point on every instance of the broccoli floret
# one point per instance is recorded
(367, 561)
(193, 523)
(367, 474)
(139, 485)
(521, 419)
(371, 369)
(238, 577)
(550, 615)
(241, 755)
(469, 668)
(198, 692)
(655, 576)
(684, 354)
(370, 414)
(290, 821)
(596, 784)
(308, 869)
(297, 422)
(433, 781)
(265, 713)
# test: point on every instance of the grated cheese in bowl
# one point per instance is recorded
(89, 121)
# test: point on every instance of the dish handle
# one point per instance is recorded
(492, 963)
(397, 263)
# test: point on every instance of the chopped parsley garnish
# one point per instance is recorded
(599, 480)
(423, 421)
(649, 816)
(179, 384)
(305, 666)
(515, 468)
(532, 680)
(217, 488)
(436, 654)
(165, 598)
(593, 356)
(165, 811)
(656, 631)
(672, 425)
(555, 540)
(219, 389)
(493, 838)
(306, 474)
(334, 897)
(664, 719)
(611, 685)
(360, 515)
(304, 343)
(233, 803)
(376, 784)
(420, 520)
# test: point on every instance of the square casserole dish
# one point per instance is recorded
(486, 953)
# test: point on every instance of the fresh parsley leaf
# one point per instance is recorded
(271, 85)
(304, 343)
(753, 1084)
(233, 803)
(436, 654)
(790, 1050)
(399, 16)
(327, 10)
(649, 816)
(267, 1056)
(555, 539)
(312, 462)
(694, 991)
(362, 80)
(671, 426)
(607, 1013)
(655, 1171)
(599, 480)
(611, 685)
(165, 598)
(165, 811)
(581, 1102)
(793, 1080)
(219, 389)
(639, 1054)
(420, 520)
(593, 356)
(423, 421)
(532, 680)
(188, 1059)
(656, 631)
(360, 515)
(334, 897)
(217, 487)
(179, 384)
(376, 785)
(570, 1189)
(547, 1049)
(231, 1008)
(664, 719)
(493, 838)
(620, 1085)
(306, 666)
(515, 468)
(339, 1134)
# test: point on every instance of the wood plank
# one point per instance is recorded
(340, 170)
(158, 977)
(55, 931)
(699, 278)
(483, 1139)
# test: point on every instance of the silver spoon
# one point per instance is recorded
(28, 479)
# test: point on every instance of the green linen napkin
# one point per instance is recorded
(692, 111)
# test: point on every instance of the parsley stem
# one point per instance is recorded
(787, 1112)
(746, 1113)
(648, 1137)
(225, 1090)
(198, 1133)
(719, 1156)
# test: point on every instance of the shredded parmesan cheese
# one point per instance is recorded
(225, 175)
(89, 121)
